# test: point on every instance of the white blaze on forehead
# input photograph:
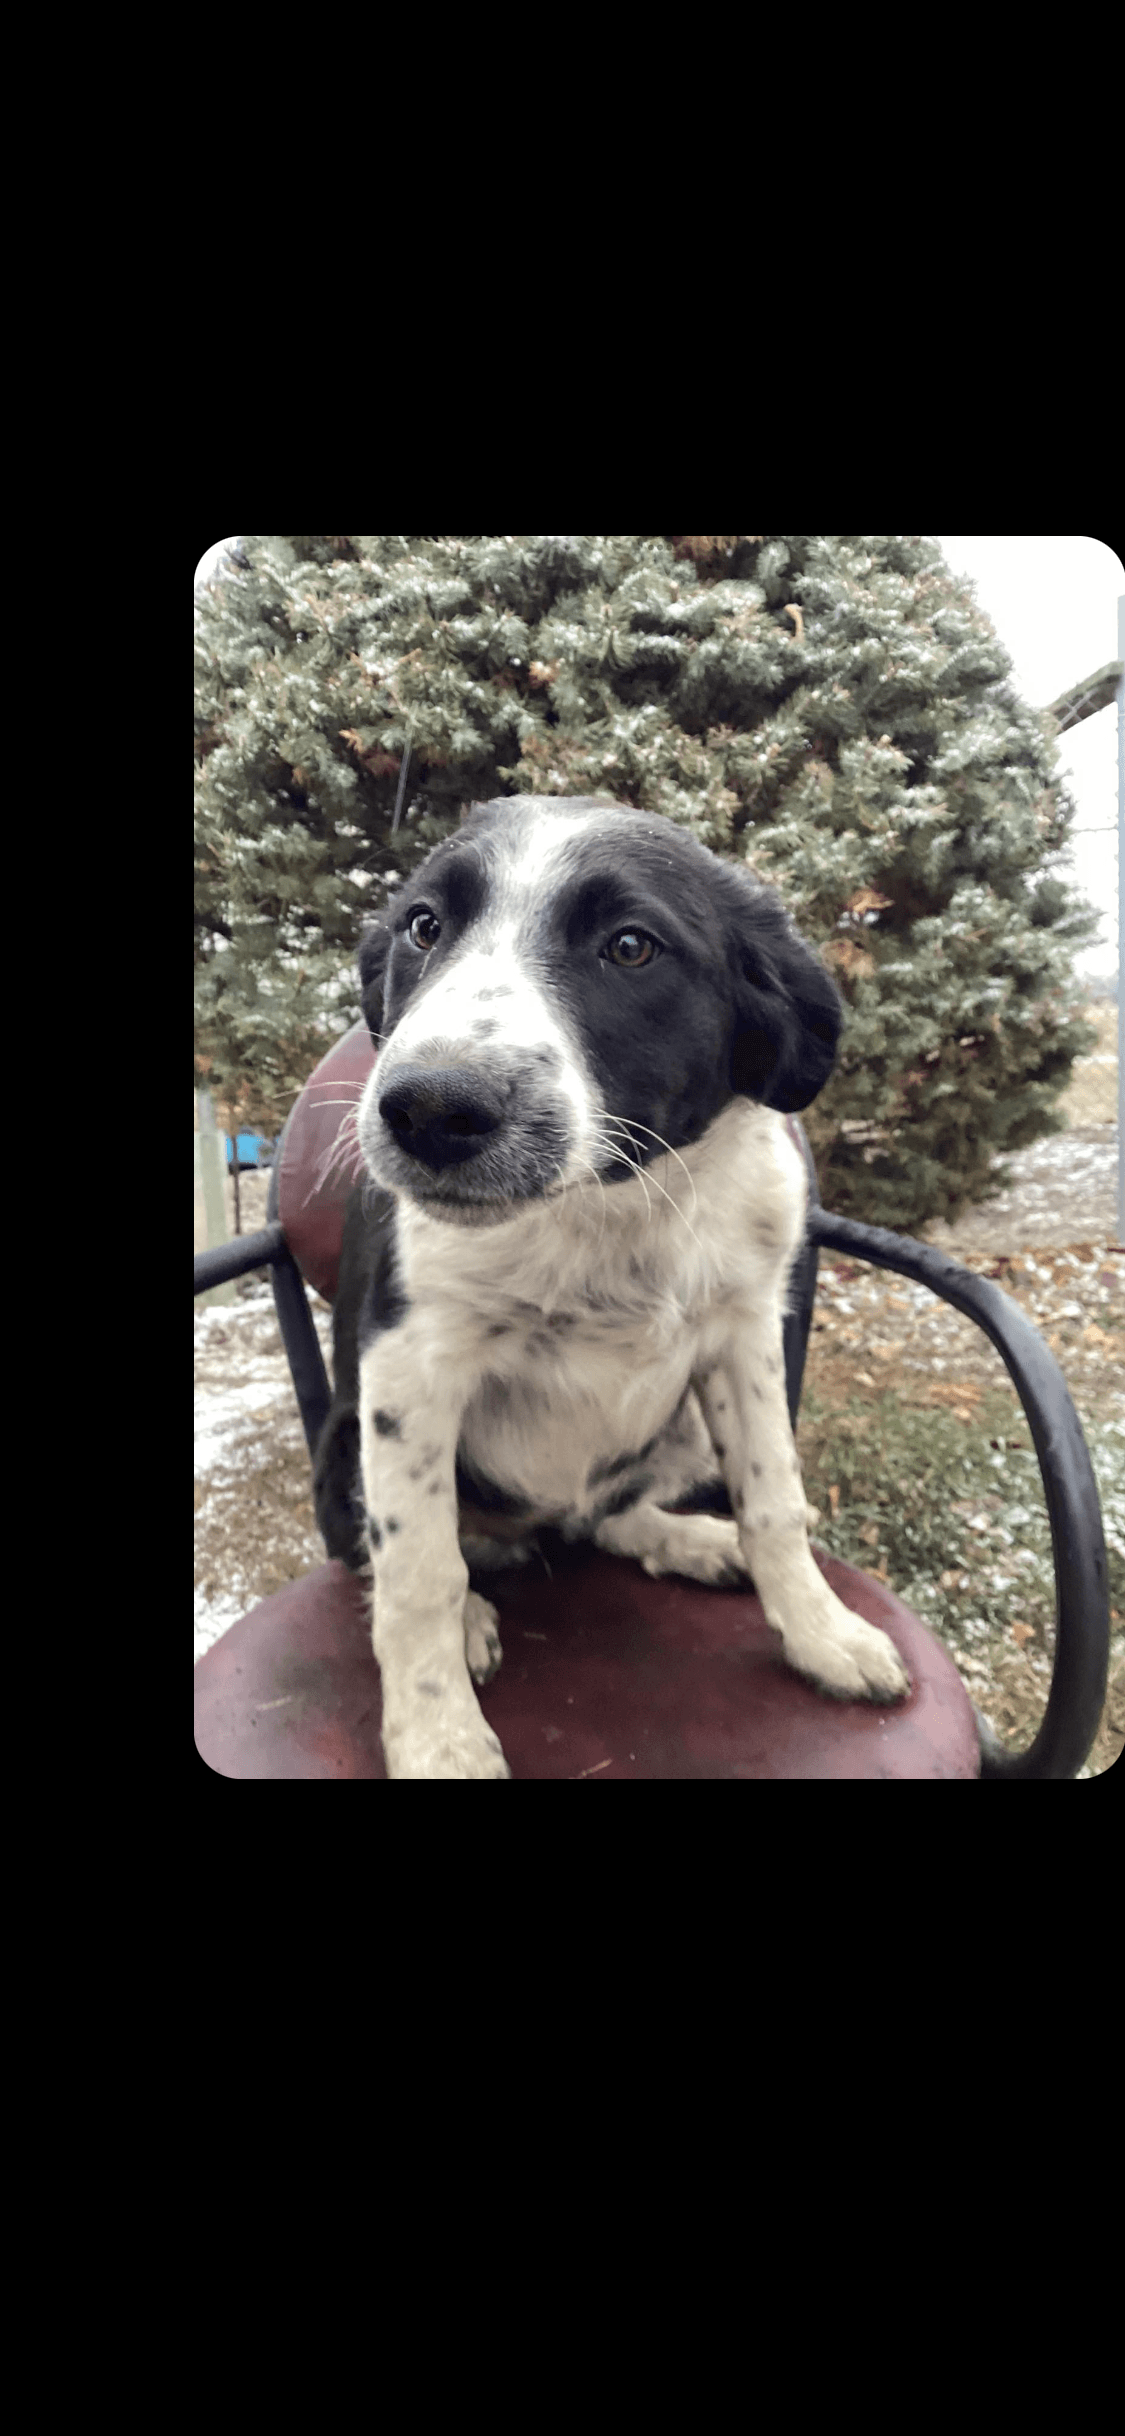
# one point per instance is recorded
(537, 864)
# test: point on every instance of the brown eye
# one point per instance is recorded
(631, 948)
(425, 930)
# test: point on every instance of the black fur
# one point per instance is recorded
(368, 1298)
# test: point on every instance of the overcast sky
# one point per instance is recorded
(1053, 603)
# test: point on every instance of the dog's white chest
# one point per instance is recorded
(576, 1340)
(566, 1396)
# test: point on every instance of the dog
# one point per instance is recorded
(562, 1288)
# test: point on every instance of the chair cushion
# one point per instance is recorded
(606, 1673)
(319, 1162)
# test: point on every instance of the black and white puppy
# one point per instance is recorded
(565, 1305)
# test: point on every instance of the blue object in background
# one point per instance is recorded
(253, 1151)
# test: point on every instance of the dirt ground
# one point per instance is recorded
(883, 1355)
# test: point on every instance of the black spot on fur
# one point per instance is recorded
(630, 1495)
(757, 1470)
(373, 1532)
(388, 1425)
(392, 1524)
(621, 1463)
(473, 1489)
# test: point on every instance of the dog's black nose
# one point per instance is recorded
(442, 1114)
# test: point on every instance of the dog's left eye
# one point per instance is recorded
(631, 948)
(425, 930)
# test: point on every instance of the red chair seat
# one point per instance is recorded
(606, 1673)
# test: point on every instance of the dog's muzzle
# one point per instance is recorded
(465, 1140)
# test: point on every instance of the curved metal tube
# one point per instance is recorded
(1078, 1683)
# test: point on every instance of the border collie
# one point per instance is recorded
(564, 1307)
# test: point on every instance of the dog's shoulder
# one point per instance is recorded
(751, 1189)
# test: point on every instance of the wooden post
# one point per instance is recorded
(232, 1120)
(209, 1180)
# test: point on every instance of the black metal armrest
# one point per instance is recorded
(1078, 1683)
(237, 1258)
(267, 1249)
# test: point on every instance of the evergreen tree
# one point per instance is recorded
(835, 711)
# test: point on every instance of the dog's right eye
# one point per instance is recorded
(425, 930)
(631, 948)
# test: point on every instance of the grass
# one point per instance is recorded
(957, 1527)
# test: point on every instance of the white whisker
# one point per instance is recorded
(642, 1173)
(342, 1155)
(634, 1123)
(601, 1188)
(605, 1142)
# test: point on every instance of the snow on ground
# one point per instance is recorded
(254, 1522)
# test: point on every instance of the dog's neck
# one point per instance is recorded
(676, 1225)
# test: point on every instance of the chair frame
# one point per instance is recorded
(1078, 1682)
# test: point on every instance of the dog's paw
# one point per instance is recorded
(455, 1742)
(703, 1547)
(845, 1657)
(482, 1637)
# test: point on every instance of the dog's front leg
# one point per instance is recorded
(743, 1398)
(409, 1424)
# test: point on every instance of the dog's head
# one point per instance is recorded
(567, 985)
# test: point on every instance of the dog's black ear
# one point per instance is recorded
(788, 1011)
(374, 949)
